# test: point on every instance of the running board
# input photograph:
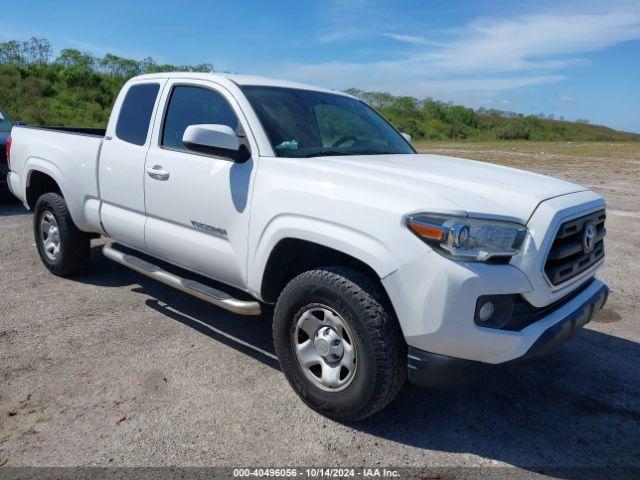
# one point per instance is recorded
(197, 289)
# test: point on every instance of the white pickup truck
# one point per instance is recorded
(382, 263)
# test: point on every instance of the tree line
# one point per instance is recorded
(431, 119)
(39, 52)
(76, 88)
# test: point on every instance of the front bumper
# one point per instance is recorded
(436, 370)
(435, 298)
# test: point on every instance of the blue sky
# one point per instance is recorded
(577, 59)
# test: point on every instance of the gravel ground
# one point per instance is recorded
(113, 369)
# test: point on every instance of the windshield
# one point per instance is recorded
(5, 122)
(306, 123)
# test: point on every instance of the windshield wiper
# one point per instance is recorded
(374, 152)
(326, 153)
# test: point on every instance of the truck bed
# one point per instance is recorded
(69, 155)
(96, 132)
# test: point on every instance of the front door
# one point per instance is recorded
(197, 204)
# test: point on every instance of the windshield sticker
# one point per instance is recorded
(288, 145)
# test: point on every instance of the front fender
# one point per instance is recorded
(342, 238)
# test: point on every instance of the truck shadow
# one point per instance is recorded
(10, 206)
(579, 407)
(251, 335)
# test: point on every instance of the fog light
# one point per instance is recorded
(493, 311)
(486, 311)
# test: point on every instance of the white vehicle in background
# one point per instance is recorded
(381, 262)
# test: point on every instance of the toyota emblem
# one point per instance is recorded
(589, 238)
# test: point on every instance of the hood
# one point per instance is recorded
(447, 184)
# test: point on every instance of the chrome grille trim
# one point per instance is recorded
(566, 260)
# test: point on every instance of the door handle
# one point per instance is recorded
(157, 173)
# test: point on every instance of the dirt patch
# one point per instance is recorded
(118, 370)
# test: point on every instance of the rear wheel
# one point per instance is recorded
(63, 248)
(339, 346)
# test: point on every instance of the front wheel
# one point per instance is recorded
(63, 248)
(340, 348)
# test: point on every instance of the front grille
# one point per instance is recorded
(568, 256)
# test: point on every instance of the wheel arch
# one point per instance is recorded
(37, 184)
(42, 176)
(292, 256)
(344, 239)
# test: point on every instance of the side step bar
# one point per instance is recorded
(197, 289)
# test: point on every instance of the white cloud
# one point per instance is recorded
(483, 57)
(566, 98)
(547, 42)
(388, 76)
(413, 39)
(340, 25)
(335, 34)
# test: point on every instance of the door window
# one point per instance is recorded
(135, 113)
(194, 106)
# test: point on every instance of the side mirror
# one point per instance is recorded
(219, 140)
(406, 136)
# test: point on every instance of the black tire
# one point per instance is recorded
(382, 351)
(74, 244)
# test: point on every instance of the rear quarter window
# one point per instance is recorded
(135, 113)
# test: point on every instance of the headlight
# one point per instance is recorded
(466, 238)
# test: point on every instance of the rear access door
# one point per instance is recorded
(121, 167)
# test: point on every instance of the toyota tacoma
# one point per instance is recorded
(382, 263)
